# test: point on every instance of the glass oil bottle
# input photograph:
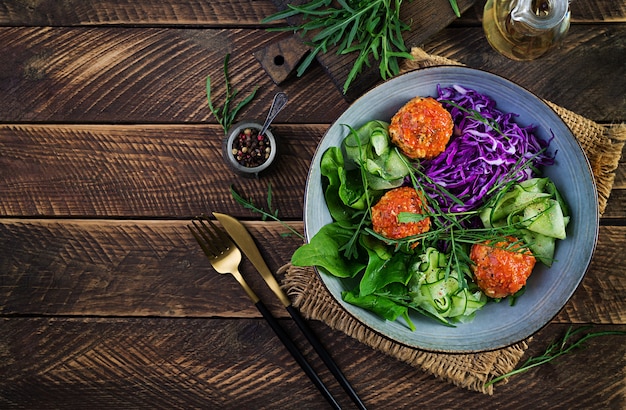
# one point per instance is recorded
(525, 29)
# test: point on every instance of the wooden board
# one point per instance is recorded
(157, 75)
(105, 268)
(107, 148)
(166, 363)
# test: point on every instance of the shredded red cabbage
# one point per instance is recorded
(478, 157)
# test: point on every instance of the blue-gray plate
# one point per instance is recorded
(548, 289)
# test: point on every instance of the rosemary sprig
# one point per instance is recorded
(272, 214)
(226, 116)
(557, 349)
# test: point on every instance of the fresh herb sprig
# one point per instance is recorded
(372, 28)
(272, 214)
(557, 349)
(226, 116)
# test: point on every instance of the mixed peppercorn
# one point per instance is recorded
(251, 149)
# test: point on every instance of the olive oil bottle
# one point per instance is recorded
(525, 29)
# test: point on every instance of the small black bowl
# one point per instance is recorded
(231, 143)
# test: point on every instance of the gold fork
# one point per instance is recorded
(225, 258)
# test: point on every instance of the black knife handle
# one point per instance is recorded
(296, 353)
(325, 356)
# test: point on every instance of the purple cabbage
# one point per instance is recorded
(478, 157)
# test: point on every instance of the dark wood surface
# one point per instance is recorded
(108, 148)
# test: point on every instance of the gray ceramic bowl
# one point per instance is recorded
(547, 291)
(230, 159)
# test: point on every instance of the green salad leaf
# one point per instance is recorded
(324, 250)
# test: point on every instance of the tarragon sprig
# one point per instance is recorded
(272, 214)
(226, 116)
(557, 349)
(371, 28)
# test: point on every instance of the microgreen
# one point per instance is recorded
(271, 214)
(226, 116)
(557, 349)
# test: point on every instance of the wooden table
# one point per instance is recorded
(107, 149)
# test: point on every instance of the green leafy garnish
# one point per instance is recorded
(371, 28)
(272, 214)
(557, 349)
(226, 116)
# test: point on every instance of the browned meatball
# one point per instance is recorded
(421, 128)
(385, 214)
(501, 269)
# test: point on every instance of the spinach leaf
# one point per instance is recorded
(382, 272)
(333, 168)
(380, 305)
(324, 251)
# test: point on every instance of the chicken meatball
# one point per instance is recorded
(501, 269)
(385, 214)
(421, 128)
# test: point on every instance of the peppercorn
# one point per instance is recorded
(251, 149)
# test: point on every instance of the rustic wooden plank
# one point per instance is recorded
(152, 171)
(172, 363)
(153, 75)
(107, 268)
(216, 12)
(156, 171)
(581, 75)
(142, 12)
(156, 75)
(127, 268)
(604, 285)
(590, 11)
(615, 208)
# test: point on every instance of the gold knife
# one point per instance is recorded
(245, 242)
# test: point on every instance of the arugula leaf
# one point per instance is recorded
(248, 204)
(372, 28)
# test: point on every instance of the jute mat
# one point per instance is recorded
(603, 146)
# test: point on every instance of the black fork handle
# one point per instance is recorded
(297, 354)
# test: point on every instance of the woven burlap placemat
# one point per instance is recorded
(603, 146)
